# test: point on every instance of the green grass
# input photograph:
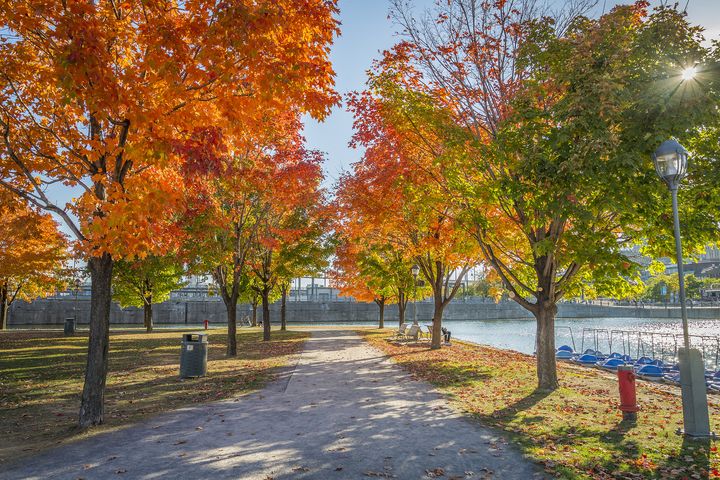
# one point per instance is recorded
(576, 432)
(41, 378)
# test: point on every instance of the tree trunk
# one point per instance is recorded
(254, 314)
(232, 327)
(545, 343)
(3, 305)
(381, 313)
(147, 305)
(266, 313)
(283, 310)
(437, 324)
(93, 395)
(402, 306)
(147, 315)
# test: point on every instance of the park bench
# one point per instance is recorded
(400, 331)
(412, 333)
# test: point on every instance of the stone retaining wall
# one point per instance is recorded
(54, 311)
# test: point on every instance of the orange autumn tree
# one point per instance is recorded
(93, 95)
(32, 252)
(244, 192)
(398, 197)
(289, 198)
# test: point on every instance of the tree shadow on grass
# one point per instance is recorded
(693, 460)
(41, 390)
(521, 405)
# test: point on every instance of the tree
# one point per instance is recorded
(249, 294)
(557, 123)
(304, 254)
(356, 280)
(141, 283)
(222, 213)
(94, 94)
(370, 272)
(32, 253)
(396, 192)
(285, 225)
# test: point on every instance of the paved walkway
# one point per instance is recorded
(343, 412)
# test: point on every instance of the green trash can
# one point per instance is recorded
(69, 328)
(193, 355)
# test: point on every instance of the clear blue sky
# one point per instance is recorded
(366, 31)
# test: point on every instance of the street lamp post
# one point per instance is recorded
(415, 272)
(671, 165)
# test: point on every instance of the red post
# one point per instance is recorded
(628, 396)
(206, 323)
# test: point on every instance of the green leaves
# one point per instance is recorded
(135, 283)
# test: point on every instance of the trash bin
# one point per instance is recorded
(69, 326)
(193, 355)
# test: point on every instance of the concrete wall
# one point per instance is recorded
(54, 311)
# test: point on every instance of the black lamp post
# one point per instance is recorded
(671, 165)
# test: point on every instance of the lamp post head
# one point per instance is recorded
(415, 270)
(670, 160)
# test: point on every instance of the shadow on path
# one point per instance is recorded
(343, 412)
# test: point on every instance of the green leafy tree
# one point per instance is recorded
(304, 255)
(660, 288)
(142, 283)
(553, 151)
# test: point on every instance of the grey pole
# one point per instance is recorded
(696, 418)
(679, 257)
(415, 303)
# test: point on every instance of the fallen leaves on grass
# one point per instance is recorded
(577, 431)
(42, 375)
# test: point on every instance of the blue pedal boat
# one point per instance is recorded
(587, 360)
(564, 355)
(672, 379)
(611, 364)
(650, 372)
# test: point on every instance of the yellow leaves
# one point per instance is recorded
(31, 248)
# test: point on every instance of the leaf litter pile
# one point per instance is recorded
(577, 431)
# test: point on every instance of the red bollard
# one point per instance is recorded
(628, 397)
(207, 322)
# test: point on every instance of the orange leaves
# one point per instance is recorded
(31, 248)
(95, 94)
(138, 220)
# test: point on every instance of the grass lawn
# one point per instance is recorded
(577, 431)
(41, 378)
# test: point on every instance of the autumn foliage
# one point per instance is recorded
(32, 253)
(97, 95)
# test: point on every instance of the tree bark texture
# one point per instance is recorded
(93, 394)
(546, 365)
(437, 323)
(254, 314)
(402, 306)
(147, 315)
(266, 313)
(231, 307)
(3, 305)
(283, 310)
(381, 313)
